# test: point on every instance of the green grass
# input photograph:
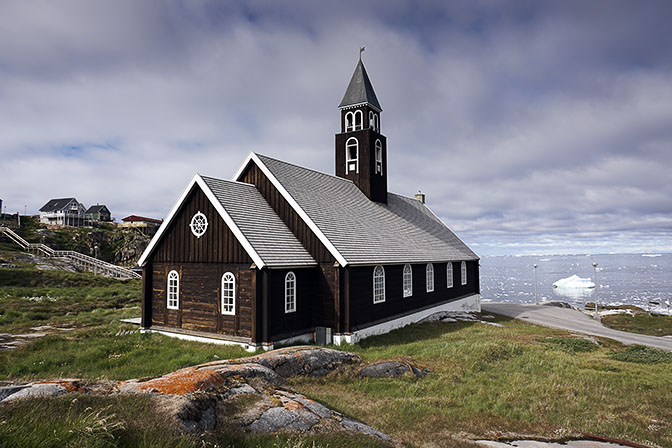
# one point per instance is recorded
(642, 323)
(85, 421)
(519, 379)
(641, 354)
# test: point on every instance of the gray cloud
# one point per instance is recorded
(532, 127)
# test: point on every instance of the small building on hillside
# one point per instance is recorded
(64, 212)
(283, 253)
(98, 213)
(146, 225)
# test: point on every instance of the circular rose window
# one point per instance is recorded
(199, 224)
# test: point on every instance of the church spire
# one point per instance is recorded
(360, 90)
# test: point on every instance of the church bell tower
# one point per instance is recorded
(361, 150)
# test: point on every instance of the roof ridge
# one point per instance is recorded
(304, 167)
(226, 180)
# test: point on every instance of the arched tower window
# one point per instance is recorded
(464, 272)
(349, 122)
(408, 280)
(378, 284)
(290, 292)
(449, 275)
(371, 123)
(430, 277)
(228, 294)
(351, 155)
(379, 157)
(359, 120)
(376, 125)
(173, 289)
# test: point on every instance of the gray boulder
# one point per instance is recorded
(37, 390)
(391, 369)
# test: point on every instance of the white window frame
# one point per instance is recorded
(290, 292)
(350, 143)
(228, 285)
(463, 272)
(449, 275)
(371, 123)
(349, 121)
(379, 157)
(429, 277)
(379, 288)
(198, 224)
(407, 280)
(173, 290)
(376, 125)
(359, 120)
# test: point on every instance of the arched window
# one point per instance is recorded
(228, 294)
(173, 289)
(351, 155)
(449, 275)
(376, 126)
(464, 272)
(378, 284)
(379, 157)
(371, 123)
(359, 120)
(408, 280)
(290, 292)
(430, 277)
(349, 121)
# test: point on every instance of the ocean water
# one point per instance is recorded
(644, 280)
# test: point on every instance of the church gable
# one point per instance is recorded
(217, 243)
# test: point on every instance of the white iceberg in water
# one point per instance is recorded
(574, 282)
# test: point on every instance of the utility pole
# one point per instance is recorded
(536, 300)
(597, 314)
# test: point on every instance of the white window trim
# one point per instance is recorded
(371, 123)
(290, 306)
(233, 286)
(358, 126)
(378, 298)
(407, 275)
(463, 272)
(349, 125)
(348, 160)
(376, 125)
(198, 232)
(429, 275)
(169, 299)
(379, 156)
(449, 275)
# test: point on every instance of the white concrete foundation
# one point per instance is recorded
(471, 303)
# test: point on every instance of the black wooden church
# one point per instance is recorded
(282, 252)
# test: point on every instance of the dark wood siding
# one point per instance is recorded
(218, 244)
(283, 325)
(200, 298)
(253, 175)
(363, 312)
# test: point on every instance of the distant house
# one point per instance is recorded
(147, 225)
(64, 212)
(98, 213)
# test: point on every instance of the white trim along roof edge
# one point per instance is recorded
(220, 209)
(297, 208)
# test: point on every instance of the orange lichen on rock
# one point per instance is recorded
(293, 406)
(180, 382)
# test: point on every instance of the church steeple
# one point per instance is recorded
(361, 150)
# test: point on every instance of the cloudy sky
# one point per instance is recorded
(532, 126)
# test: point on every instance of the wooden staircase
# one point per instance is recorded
(83, 261)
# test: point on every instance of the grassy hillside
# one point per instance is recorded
(487, 380)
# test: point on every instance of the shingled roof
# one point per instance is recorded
(360, 90)
(264, 230)
(364, 232)
(55, 205)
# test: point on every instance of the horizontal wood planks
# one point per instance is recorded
(364, 312)
(200, 298)
(218, 244)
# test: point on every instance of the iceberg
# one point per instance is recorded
(574, 282)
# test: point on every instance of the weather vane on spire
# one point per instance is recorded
(361, 50)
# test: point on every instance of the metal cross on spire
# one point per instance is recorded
(361, 50)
